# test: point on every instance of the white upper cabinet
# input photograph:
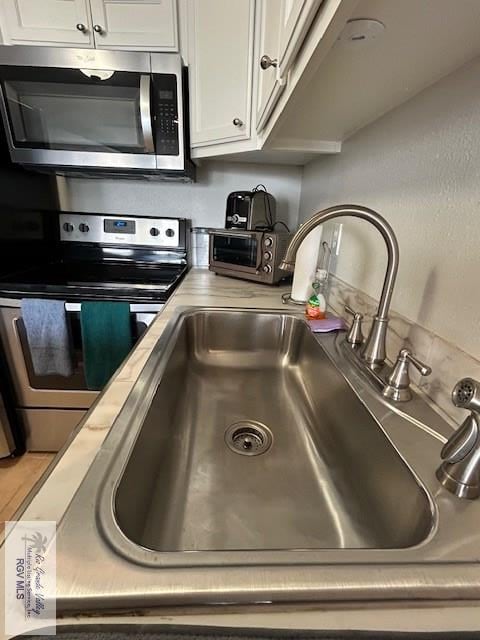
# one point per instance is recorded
(143, 25)
(53, 22)
(296, 18)
(266, 68)
(284, 25)
(220, 50)
(138, 25)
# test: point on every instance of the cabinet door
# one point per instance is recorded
(141, 25)
(220, 45)
(269, 83)
(46, 22)
(296, 18)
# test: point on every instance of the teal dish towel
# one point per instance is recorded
(106, 338)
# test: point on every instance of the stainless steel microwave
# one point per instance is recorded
(251, 255)
(79, 110)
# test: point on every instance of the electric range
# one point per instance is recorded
(79, 257)
(139, 260)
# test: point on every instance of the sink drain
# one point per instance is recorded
(248, 438)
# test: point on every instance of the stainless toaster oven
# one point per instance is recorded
(251, 255)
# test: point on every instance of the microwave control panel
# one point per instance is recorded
(118, 230)
(166, 115)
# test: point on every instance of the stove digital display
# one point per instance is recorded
(115, 225)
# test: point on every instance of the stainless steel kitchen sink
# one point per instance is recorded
(253, 440)
(255, 462)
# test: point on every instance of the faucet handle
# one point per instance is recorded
(424, 369)
(398, 382)
(355, 335)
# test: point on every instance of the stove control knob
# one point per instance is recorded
(84, 228)
(169, 233)
(68, 227)
(154, 231)
(267, 255)
(268, 241)
(267, 268)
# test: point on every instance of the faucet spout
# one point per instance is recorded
(374, 350)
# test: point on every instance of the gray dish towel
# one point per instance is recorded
(48, 336)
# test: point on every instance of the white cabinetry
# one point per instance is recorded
(220, 51)
(296, 18)
(284, 25)
(149, 25)
(269, 83)
(140, 25)
(53, 22)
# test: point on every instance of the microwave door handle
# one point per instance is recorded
(145, 113)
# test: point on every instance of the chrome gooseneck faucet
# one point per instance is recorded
(373, 351)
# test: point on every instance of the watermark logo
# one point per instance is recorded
(30, 577)
(38, 542)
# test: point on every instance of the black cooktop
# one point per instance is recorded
(105, 280)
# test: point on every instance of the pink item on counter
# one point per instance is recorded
(330, 323)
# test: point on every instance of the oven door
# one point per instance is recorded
(33, 391)
(80, 117)
(236, 251)
(51, 407)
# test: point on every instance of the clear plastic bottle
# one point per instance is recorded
(316, 307)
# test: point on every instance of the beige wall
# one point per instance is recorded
(203, 201)
(419, 166)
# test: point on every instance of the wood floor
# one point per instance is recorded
(17, 477)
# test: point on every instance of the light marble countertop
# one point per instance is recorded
(203, 288)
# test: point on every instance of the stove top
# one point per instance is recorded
(82, 256)
(77, 280)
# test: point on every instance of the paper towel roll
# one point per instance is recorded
(306, 265)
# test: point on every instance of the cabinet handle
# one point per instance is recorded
(237, 122)
(267, 62)
(81, 27)
(98, 29)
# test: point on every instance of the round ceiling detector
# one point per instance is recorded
(361, 30)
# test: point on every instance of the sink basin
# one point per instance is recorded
(254, 440)
(253, 462)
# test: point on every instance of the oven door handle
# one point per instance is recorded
(146, 114)
(135, 307)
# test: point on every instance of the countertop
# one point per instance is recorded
(51, 499)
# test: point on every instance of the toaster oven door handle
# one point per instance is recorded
(146, 113)
(260, 254)
(228, 234)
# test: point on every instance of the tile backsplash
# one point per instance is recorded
(448, 362)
